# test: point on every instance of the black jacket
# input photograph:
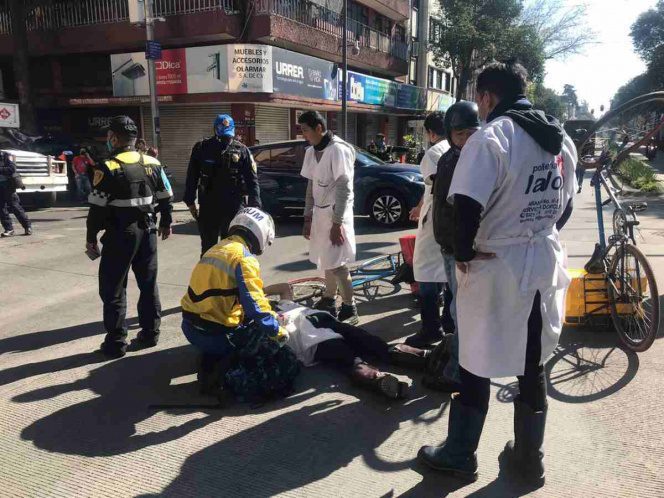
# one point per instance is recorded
(442, 211)
(222, 173)
(7, 169)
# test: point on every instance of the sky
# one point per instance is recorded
(604, 67)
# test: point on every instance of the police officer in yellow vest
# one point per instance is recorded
(221, 172)
(227, 317)
(127, 190)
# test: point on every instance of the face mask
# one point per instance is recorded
(109, 145)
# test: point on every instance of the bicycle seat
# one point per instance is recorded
(637, 207)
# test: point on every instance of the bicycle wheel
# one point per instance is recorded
(308, 290)
(633, 298)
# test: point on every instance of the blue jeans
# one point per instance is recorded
(429, 308)
(83, 186)
(205, 341)
(451, 370)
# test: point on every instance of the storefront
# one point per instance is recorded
(261, 86)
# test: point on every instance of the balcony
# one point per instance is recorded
(396, 10)
(101, 25)
(308, 27)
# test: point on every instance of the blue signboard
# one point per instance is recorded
(153, 50)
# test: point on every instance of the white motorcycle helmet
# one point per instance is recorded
(255, 226)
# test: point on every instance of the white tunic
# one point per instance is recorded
(338, 159)
(523, 190)
(303, 337)
(428, 263)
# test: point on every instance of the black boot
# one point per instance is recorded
(327, 304)
(408, 356)
(525, 454)
(424, 339)
(348, 314)
(434, 377)
(386, 384)
(457, 456)
(144, 340)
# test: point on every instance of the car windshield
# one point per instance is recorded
(366, 159)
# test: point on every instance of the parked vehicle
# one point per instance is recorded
(43, 176)
(384, 191)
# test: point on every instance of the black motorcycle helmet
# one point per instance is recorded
(461, 116)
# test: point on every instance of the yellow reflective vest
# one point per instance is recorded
(226, 288)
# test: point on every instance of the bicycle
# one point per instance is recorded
(630, 285)
(370, 276)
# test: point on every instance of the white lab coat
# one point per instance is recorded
(338, 159)
(428, 263)
(523, 190)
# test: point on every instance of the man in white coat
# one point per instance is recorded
(512, 191)
(329, 165)
(428, 263)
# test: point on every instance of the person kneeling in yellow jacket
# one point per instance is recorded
(227, 317)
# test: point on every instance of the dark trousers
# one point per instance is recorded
(356, 342)
(124, 248)
(429, 293)
(10, 203)
(532, 384)
(213, 222)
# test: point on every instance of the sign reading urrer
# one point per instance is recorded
(250, 68)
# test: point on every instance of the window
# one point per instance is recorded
(438, 78)
(448, 83)
(435, 30)
(285, 158)
(400, 32)
(262, 157)
(412, 76)
(414, 24)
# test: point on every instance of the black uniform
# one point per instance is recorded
(223, 172)
(125, 191)
(9, 201)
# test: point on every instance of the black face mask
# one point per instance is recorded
(325, 141)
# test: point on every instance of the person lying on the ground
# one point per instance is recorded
(226, 315)
(316, 336)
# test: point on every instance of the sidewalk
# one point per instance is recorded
(74, 425)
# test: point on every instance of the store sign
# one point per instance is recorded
(9, 116)
(369, 90)
(411, 97)
(297, 74)
(438, 101)
(90, 122)
(249, 68)
(256, 69)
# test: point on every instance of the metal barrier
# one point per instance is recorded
(45, 15)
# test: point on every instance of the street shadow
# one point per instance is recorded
(396, 325)
(47, 338)
(300, 447)
(107, 424)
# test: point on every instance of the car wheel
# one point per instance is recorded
(387, 208)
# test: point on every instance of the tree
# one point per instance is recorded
(648, 32)
(479, 31)
(562, 29)
(22, 65)
(547, 100)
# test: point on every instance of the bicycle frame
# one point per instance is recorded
(362, 276)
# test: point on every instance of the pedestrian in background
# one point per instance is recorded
(221, 173)
(81, 164)
(9, 201)
(329, 167)
(428, 264)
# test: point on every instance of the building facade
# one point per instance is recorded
(262, 61)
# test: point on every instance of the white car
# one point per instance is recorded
(41, 175)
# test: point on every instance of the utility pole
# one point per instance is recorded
(344, 75)
(152, 73)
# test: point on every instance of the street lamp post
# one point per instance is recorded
(344, 74)
(152, 74)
